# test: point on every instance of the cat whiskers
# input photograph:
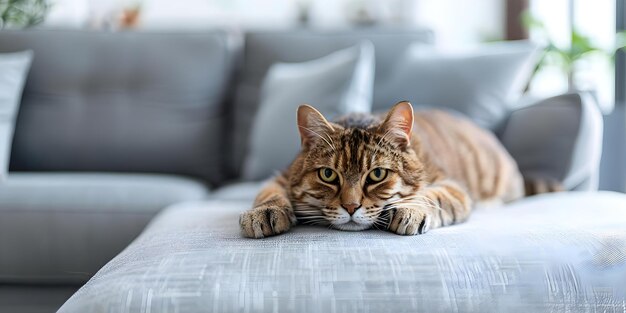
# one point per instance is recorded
(382, 221)
(316, 223)
(312, 220)
(304, 208)
(309, 215)
(417, 201)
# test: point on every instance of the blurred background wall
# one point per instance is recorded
(479, 19)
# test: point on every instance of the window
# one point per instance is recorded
(620, 59)
(594, 19)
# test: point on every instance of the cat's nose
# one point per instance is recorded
(351, 207)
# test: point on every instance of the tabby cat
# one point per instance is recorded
(404, 172)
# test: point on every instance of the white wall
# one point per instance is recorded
(455, 22)
(459, 22)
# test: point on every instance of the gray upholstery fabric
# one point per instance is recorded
(264, 48)
(336, 84)
(245, 191)
(33, 299)
(62, 228)
(127, 101)
(481, 83)
(554, 253)
(558, 137)
(13, 71)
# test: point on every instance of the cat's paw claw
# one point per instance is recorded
(409, 222)
(264, 222)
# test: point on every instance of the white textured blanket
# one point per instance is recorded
(554, 253)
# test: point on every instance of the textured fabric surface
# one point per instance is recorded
(481, 82)
(123, 101)
(336, 84)
(245, 191)
(63, 227)
(552, 253)
(264, 48)
(559, 137)
(13, 71)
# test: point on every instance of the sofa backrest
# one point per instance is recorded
(126, 101)
(159, 102)
(264, 48)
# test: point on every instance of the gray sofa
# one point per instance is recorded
(115, 127)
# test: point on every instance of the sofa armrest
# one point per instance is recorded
(559, 138)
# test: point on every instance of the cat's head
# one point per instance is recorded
(350, 173)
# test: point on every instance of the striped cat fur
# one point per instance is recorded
(406, 172)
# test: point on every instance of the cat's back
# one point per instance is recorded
(460, 149)
(453, 147)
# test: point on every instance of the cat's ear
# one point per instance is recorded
(312, 125)
(398, 124)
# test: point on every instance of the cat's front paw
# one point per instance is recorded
(266, 221)
(409, 222)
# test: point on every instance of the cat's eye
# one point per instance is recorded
(327, 175)
(377, 175)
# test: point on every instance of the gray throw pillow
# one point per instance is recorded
(480, 82)
(559, 137)
(336, 84)
(13, 71)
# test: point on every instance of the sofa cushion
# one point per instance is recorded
(245, 191)
(64, 227)
(553, 253)
(558, 137)
(122, 101)
(13, 71)
(336, 84)
(264, 48)
(480, 82)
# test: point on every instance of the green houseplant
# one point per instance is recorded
(22, 13)
(566, 58)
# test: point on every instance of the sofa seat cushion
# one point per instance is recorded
(241, 191)
(63, 227)
(558, 253)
